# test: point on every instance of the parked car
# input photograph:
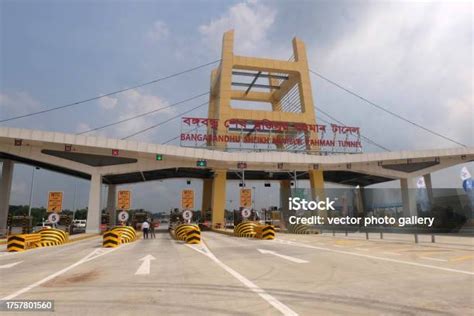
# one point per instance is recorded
(79, 223)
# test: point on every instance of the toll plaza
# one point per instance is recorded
(263, 259)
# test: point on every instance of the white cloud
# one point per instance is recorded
(414, 59)
(108, 103)
(251, 21)
(158, 31)
(17, 103)
(129, 104)
(82, 127)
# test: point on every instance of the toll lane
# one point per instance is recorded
(40, 262)
(180, 281)
(334, 282)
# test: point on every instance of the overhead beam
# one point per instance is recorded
(256, 96)
(253, 82)
(263, 86)
(252, 74)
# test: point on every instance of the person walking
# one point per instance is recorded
(152, 228)
(145, 229)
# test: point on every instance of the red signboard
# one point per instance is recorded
(264, 135)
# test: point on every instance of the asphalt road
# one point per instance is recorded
(294, 274)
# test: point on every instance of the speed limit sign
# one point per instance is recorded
(123, 216)
(246, 213)
(53, 218)
(187, 215)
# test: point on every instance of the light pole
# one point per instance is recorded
(74, 202)
(253, 197)
(31, 189)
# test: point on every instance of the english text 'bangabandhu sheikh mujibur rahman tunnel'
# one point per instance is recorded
(280, 143)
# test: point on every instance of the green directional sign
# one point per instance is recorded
(201, 163)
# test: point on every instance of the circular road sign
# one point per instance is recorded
(123, 216)
(187, 215)
(246, 213)
(53, 218)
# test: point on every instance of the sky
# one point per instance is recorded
(414, 58)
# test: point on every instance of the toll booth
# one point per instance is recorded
(138, 218)
(19, 224)
(65, 223)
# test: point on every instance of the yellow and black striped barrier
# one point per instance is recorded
(299, 229)
(127, 233)
(190, 233)
(53, 237)
(181, 231)
(246, 229)
(193, 236)
(268, 232)
(111, 239)
(22, 242)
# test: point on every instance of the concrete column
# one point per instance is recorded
(206, 196)
(218, 197)
(285, 194)
(429, 187)
(93, 212)
(408, 187)
(111, 198)
(316, 181)
(360, 202)
(5, 192)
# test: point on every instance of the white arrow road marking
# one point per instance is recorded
(285, 310)
(292, 259)
(6, 266)
(144, 268)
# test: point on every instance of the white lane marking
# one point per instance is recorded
(292, 259)
(363, 249)
(434, 259)
(10, 265)
(391, 253)
(94, 254)
(338, 246)
(380, 258)
(285, 310)
(144, 268)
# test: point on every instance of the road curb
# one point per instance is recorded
(223, 232)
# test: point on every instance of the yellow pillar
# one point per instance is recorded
(218, 197)
(206, 196)
(316, 181)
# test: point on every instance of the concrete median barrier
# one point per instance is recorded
(22, 242)
(190, 233)
(266, 232)
(193, 236)
(246, 229)
(127, 233)
(53, 237)
(299, 229)
(119, 235)
(111, 239)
